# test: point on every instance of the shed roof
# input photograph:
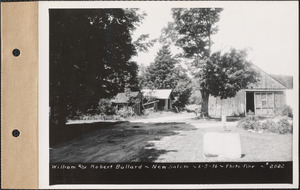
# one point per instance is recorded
(122, 98)
(158, 93)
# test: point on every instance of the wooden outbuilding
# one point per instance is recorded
(261, 98)
(163, 98)
(131, 99)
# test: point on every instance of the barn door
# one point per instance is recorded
(264, 103)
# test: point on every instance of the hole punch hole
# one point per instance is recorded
(15, 133)
(16, 52)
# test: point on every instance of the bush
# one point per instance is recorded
(105, 107)
(285, 126)
(270, 126)
(250, 122)
(125, 112)
(281, 127)
(284, 111)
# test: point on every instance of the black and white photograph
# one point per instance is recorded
(169, 94)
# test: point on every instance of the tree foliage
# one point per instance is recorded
(159, 73)
(90, 53)
(224, 75)
(192, 30)
(165, 73)
(142, 45)
(218, 75)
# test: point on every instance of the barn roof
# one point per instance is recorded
(158, 93)
(286, 80)
(266, 81)
(122, 98)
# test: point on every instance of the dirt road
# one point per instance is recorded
(124, 142)
(169, 138)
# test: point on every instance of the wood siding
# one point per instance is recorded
(280, 99)
(269, 95)
(266, 104)
(230, 107)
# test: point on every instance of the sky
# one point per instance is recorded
(269, 31)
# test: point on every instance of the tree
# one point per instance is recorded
(224, 75)
(183, 88)
(142, 44)
(192, 30)
(159, 73)
(165, 73)
(90, 52)
(195, 94)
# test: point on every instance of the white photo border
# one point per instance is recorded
(44, 88)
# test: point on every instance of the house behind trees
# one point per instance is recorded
(262, 98)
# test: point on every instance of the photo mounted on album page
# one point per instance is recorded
(161, 94)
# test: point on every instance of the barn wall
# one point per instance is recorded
(229, 107)
(166, 104)
(280, 99)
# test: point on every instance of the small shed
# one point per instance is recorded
(262, 98)
(163, 97)
(131, 99)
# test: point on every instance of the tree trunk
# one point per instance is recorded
(57, 130)
(58, 116)
(204, 104)
(62, 117)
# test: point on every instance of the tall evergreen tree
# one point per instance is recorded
(165, 73)
(159, 74)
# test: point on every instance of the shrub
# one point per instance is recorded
(91, 111)
(270, 126)
(250, 122)
(281, 127)
(284, 111)
(285, 126)
(250, 113)
(148, 111)
(116, 117)
(125, 112)
(105, 106)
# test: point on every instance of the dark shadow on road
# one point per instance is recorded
(151, 155)
(109, 143)
(68, 132)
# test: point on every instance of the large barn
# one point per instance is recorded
(262, 98)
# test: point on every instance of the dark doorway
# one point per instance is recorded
(250, 102)
(161, 104)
